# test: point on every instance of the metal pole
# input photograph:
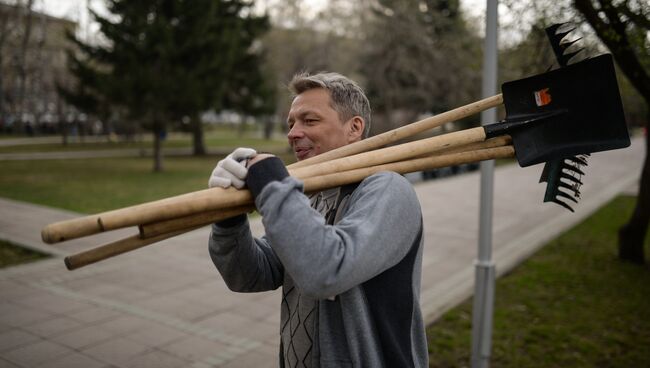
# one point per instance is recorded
(485, 270)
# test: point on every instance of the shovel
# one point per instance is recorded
(565, 112)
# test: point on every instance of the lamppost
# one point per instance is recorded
(485, 273)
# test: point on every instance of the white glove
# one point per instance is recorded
(232, 169)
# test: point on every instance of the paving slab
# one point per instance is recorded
(166, 306)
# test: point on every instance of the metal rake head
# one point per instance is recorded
(563, 177)
(556, 35)
(563, 180)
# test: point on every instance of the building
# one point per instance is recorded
(33, 62)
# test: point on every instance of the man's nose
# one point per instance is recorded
(295, 132)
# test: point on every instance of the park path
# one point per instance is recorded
(108, 153)
(166, 306)
(95, 153)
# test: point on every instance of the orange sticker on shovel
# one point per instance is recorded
(542, 97)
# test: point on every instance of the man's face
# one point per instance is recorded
(315, 127)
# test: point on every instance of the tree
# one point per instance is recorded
(329, 40)
(421, 57)
(167, 59)
(623, 27)
(251, 93)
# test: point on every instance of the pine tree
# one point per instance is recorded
(167, 59)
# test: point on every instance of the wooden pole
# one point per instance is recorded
(113, 249)
(312, 184)
(200, 219)
(203, 218)
(392, 154)
(405, 131)
(219, 198)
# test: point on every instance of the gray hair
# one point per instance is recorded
(348, 99)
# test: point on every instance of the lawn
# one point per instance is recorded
(96, 185)
(573, 304)
(101, 184)
(11, 254)
(221, 138)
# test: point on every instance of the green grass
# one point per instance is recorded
(77, 146)
(96, 185)
(11, 255)
(221, 139)
(573, 304)
(101, 184)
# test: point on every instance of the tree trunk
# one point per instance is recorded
(632, 234)
(64, 132)
(198, 142)
(158, 131)
(63, 126)
(611, 29)
(268, 128)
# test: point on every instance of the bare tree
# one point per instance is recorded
(301, 41)
(623, 27)
(419, 57)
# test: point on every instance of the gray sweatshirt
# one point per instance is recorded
(364, 271)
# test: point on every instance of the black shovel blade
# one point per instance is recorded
(573, 110)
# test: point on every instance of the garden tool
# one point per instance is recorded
(569, 111)
(563, 176)
(158, 210)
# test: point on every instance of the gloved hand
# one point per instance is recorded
(232, 169)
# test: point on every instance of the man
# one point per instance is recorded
(348, 259)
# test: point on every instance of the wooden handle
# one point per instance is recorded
(318, 183)
(209, 199)
(219, 198)
(393, 154)
(311, 184)
(501, 141)
(113, 249)
(199, 219)
(205, 218)
(164, 209)
(405, 131)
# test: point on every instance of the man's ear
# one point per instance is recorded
(355, 129)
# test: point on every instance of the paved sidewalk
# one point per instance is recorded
(166, 306)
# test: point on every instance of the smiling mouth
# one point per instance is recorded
(301, 152)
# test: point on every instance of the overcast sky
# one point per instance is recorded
(75, 9)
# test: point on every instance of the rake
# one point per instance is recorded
(564, 175)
